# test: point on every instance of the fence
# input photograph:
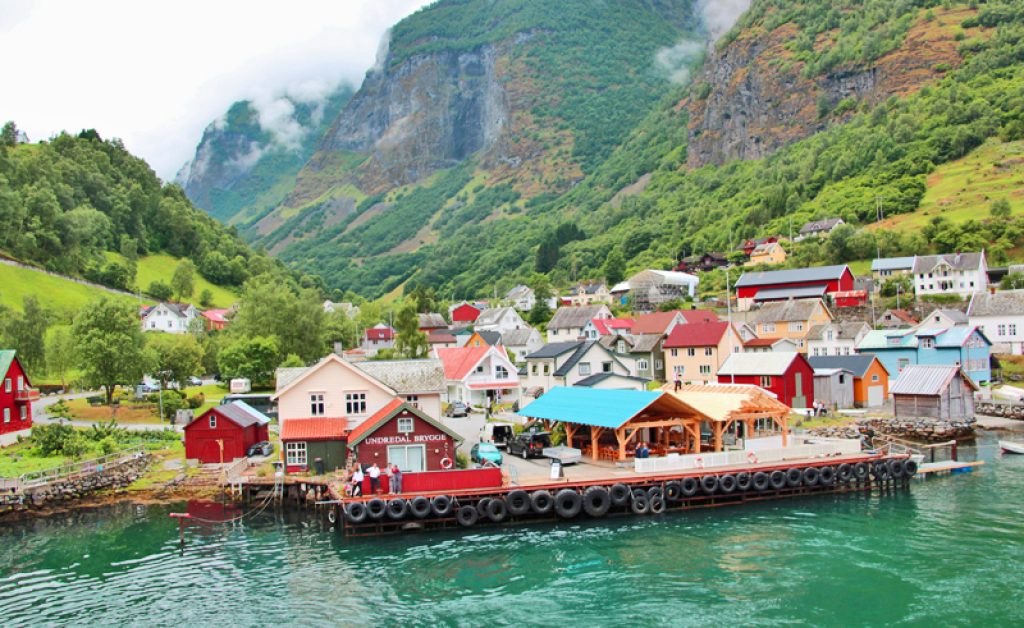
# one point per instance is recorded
(821, 448)
(85, 467)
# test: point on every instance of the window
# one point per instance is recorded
(691, 352)
(709, 351)
(355, 403)
(842, 378)
(846, 351)
(874, 377)
(213, 421)
(584, 368)
(405, 425)
(705, 369)
(295, 454)
(554, 332)
(547, 367)
(1013, 329)
(829, 335)
(24, 413)
(620, 347)
(606, 367)
(797, 326)
(768, 328)
(501, 372)
(927, 343)
(766, 381)
(21, 383)
(7, 415)
(409, 458)
(533, 369)
(479, 368)
(658, 365)
(642, 365)
(7, 385)
(413, 400)
(675, 353)
(1001, 330)
(903, 363)
(316, 404)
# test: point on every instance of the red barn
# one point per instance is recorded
(465, 313)
(797, 283)
(786, 374)
(16, 394)
(403, 434)
(234, 426)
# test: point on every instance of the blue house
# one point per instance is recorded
(962, 345)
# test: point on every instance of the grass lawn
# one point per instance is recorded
(127, 413)
(18, 459)
(797, 420)
(213, 392)
(860, 268)
(54, 293)
(161, 268)
(964, 189)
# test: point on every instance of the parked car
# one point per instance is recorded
(498, 433)
(485, 452)
(148, 388)
(529, 444)
(457, 408)
(262, 448)
(195, 381)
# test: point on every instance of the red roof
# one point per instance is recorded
(458, 361)
(319, 428)
(217, 316)
(465, 313)
(608, 326)
(849, 294)
(696, 335)
(366, 425)
(699, 316)
(904, 316)
(380, 333)
(653, 323)
(760, 342)
(437, 337)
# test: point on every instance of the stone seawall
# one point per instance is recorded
(928, 430)
(77, 487)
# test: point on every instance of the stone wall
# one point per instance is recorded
(927, 430)
(77, 487)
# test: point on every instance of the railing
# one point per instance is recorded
(235, 469)
(833, 447)
(85, 467)
(26, 394)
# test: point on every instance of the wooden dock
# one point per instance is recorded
(947, 466)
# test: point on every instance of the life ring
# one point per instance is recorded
(332, 516)
(699, 462)
(752, 458)
(446, 463)
(597, 501)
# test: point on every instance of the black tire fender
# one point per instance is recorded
(777, 479)
(897, 469)
(844, 473)
(826, 476)
(673, 491)
(376, 508)
(397, 508)
(793, 477)
(640, 506)
(760, 481)
(620, 494)
(709, 484)
(743, 481)
(481, 507)
(332, 516)
(542, 502)
(466, 516)
(910, 468)
(727, 483)
(860, 470)
(497, 510)
(811, 476)
(568, 503)
(657, 505)
(419, 506)
(441, 505)
(596, 501)
(518, 502)
(690, 486)
(355, 512)
(880, 470)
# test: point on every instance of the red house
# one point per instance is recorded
(797, 283)
(405, 435)
(465, 313)
(215, 320)
(788, 375)
(748, 246)
(850, 298)
(16, 394)
(224, 433)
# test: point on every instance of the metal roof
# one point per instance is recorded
(921, 379)
(772, 363)
(771, 277)
(591, 406)
(242, 414)
(555, 349)
(6, 357)
(597, 378)
(893, 263)
(959, 261)
(799, 292)
(856, 364)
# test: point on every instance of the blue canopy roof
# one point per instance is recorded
(591, 406)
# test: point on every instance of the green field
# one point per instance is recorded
(963, 190)
(161, 268)
(54, 293)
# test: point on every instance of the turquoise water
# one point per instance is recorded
(948, 551)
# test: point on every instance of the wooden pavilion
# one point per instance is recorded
(729, 404)
(608, 422)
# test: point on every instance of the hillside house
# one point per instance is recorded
(791, 319)
(173, 318)
(479, 376)
(964, 346)
(377, 338)
(836, 338)
(936, 392)
(696, 352)
(819, 228)
(589, 294)
(346, 308)
(16, 394)
(767, 255)
(961, 273)
(441, 339)
(702, 263)
(887, 268)
(521, 297)
(565, 363)
(225, 433)
(568, 322)
(499, 319)
(648, 289)
(798, 283)
(787, 375)
(462, 314)
(599, 327)
(770, 345)
(431, 321)
(483, 338)
(215, 320)
(748, 246)
(522, 342)
(1001, 317)
(896, 319)
(870, 379)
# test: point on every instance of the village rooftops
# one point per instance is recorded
(654, 323)
(406, 376)
(696, 335)
(432, 320)
(242, 414)
(921, 379)
(440, 336)
(515, 337)
(606, 326)
(608, 408)
(574, 317)
(957, 261)
(844, 330)
(380, 332)
(892, 263)
(492, 316)
(597, 378)
(774, 363)
(785, 311)
(492, 338)
(724, 402)
(771, 277)
(645, 343)
(314, 429)
(1002, 303)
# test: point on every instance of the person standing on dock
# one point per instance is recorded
(374, 474)
(357, 481)
(395, 479)
(678, 382)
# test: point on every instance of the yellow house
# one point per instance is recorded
(695, 352)
(769, 253)
(791, 319)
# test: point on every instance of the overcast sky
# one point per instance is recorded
(155, 73)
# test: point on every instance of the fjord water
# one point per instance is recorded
(946, 551)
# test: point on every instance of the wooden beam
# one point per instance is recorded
(785, 430)
(716, 431)
(570, 432)
(595, 437)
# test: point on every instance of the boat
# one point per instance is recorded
(1011, 447)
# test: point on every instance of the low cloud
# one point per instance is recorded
(719, 16)
(716, 18)
(675, 62)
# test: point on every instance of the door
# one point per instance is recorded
(875, 396)
(799, 401)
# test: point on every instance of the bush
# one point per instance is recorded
(58, 439)
(196, 401)
(95, 401)
(108, 445)
(461, 460)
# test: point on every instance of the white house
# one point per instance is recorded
(960, 273)
(943, 318)
(889, 267)
(819, 228)
(173, 318)
(568, 322)
(522, 342)
(589, 294)
(836, 338)
(1000, 316)
(499, 319)
(521, 297)
(479, 375)
(566, 363)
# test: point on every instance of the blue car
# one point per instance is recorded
(485, 452)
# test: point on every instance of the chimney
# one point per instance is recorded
(337, 347)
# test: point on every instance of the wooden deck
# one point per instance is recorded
(949, 466)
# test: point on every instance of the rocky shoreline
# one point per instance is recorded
(925, 430)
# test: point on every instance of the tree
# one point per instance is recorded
(614, 267)
(27, 334)
(176, 357)
(160, 291)
(183, 281)
(206, 298)
(252, 358)
(540, 312)
(109, 344)
(547, 255)
(60, 352)
(292, 361)
(1000, 208)
(1012, 281)
(9, 134)
(292, 315)
(410, 341)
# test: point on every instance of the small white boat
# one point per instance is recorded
(1011, 447)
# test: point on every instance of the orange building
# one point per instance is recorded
(870, 377)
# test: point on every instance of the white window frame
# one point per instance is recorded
(317, 407)
(1012, 328)
(355, 403)
(766, 381)
(874, 377)
(422, 448)
(768, 328)
(213, 421)
(1001, 329)
(296, 454)
(405, 425)
(7, 415)
(658, 364)
(21, 383)
(501, 372)
(705, 369)
(7, 384)
(24, 413)
(584, 368)
(642, 365)
(413, 400)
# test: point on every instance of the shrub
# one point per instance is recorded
(196, 401)
(58, 439)
(461, 460)
(95, 401)
(108, 445)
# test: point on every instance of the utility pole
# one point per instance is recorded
(728, 309)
